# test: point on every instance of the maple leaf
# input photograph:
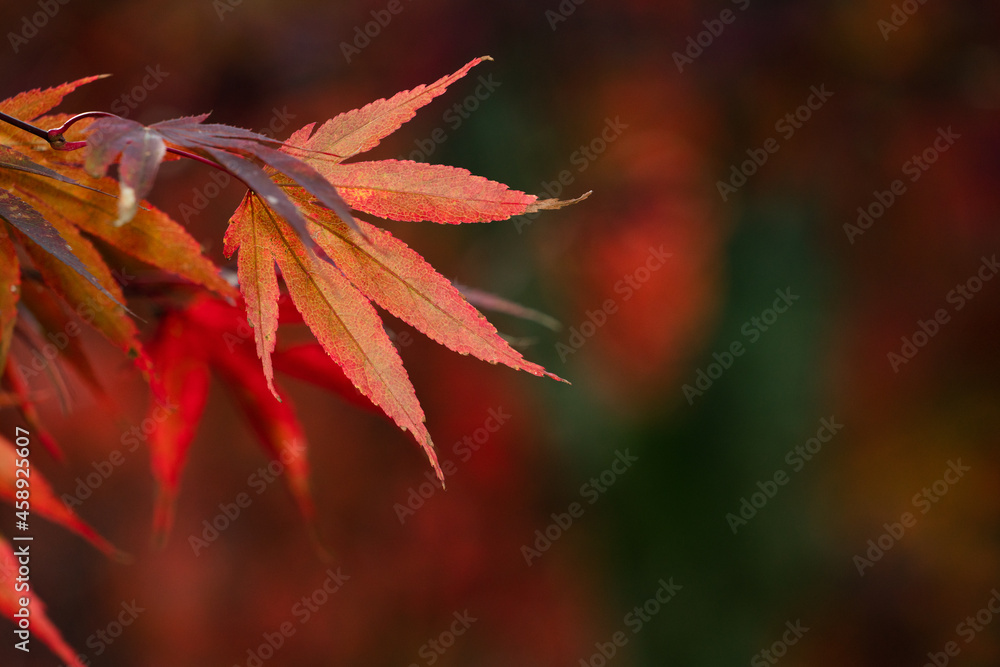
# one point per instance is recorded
(343, 320)
(48, 202)
(206, 336)
(209, 336)
(19, 213)
(368, 264)
(33, 104)
(184, 382)
(294, 228)
(294, 223)
(142, 148)
(32, 225)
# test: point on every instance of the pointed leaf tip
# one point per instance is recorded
(182, 395)
(362, 129)
(555, 204)
(488, 301)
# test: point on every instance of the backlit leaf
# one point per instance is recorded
(89, 302)
(361, 130)
(31, 104)
(259, 284)
(401, 281)
(11, 159)
(310, 363)
(30, 223)
(413, 191)
(152, 236)
(343, 321)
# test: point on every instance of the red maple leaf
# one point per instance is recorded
(335, 297)
(295, 227)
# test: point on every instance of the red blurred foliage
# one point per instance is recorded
(651, 197)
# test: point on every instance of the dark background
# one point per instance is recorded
(665, 517)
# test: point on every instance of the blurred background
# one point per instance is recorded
(779, 321)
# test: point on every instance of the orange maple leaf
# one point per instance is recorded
(334, 293)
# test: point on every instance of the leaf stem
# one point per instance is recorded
(57, 141)
(80, 116)
(203, 160)
(55, 135)
(27, 127)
